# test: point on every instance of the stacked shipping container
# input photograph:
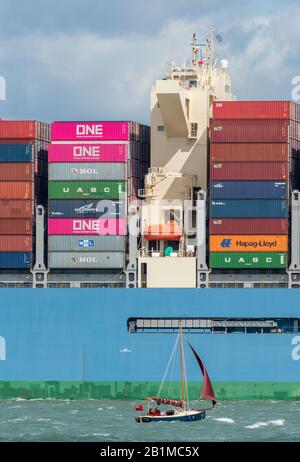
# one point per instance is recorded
(251, 172)
(23, 179)
(95, 168)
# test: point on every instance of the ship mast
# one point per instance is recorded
(182, 364)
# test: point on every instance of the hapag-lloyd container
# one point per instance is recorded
(90, 131)
(87, 244)
(14, 226)
(18, 260)
(88, 171)
(249, 131)
(88, 226)
(86, 189)
(244, 260)
(16, 171)
(16, 208)
(249, 152)
(253, 110)
(92, 260)
(248, 189)
(102, 208)
(248, 243)
(88, 152)
(16, 153)
(15, 243)
(252, 226)
(16, 190)
(227, 208)
(249, 170)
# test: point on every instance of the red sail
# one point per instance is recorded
(207, 389)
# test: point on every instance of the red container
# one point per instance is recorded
(249, 170)
(16, 209)
(16, 226)
(16, 172)
(248, 226)
(16, 190)
(249, 131)
(253, 110)
(16, 244)
(249, 152)
(19, 129)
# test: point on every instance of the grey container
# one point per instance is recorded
(88, 260)
(102, 208)
(87, 171)
(87, 243)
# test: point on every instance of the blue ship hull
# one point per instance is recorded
(70, 343)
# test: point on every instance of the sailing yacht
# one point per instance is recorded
(179, 409)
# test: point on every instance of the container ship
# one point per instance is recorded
(206, 199)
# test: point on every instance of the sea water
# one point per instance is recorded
(49, 420)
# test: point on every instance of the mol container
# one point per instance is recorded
(89, 260)
(228, 208)
(103, 208)
(248, 189)
(250, 131)
(248, 260)
(86, 189)
(87, 171)
(105, 152)
(88, 226)
(248, 243)
(263, 226)
(87, 244)
(249, 152)
(264, 110)
(249, 170)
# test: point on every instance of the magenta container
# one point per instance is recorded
(88, 152)
(90, 131)
(88, 226)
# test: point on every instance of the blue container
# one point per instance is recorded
(15, 260)
(16, 153)
(248, 189)
(248, 209)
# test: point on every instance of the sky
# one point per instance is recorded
(96, 59)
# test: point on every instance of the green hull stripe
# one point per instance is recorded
(140, 390)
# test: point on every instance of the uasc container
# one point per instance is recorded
(252, 226)
(87, 171)
(227, 208)
(102, 208)
(248, 260)
(86, 189)
(92, 260)
(249, 170)
(248, 189)
(116, 152)
(248, 243)
(87, 244)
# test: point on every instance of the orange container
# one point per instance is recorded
(248, 243)
(16, 190)
(16, 209)
(16, 244)
(15, 226)
(16, 171)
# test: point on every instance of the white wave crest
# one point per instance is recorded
(275, 423)
(225, 420)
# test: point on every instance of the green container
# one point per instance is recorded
(86, 189)
(252, 260)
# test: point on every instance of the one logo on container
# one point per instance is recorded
(89, 130)
(86, 151)
(2, 349)
(226, 243)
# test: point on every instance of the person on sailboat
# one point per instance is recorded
(157, 411)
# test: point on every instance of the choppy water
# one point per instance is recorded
(46, 420)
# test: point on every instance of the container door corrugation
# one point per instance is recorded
(102, 208)
(15, 260)
(248, 260)
(249, 170)
(250, 152)
(224, 208)
(92, 260)
(14, 226)
(253, 131)
(16, 171)
(248, 243)
(248, 226)
(16, 190)
(87, 244)
(252, 110)
(16, 208)
(87, 171)
(248, 189)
